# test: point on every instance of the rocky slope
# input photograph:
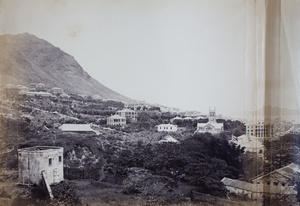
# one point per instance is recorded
(26, 59)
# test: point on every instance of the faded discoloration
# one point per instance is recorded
(62, 2)
(273, 54)
(74, 30)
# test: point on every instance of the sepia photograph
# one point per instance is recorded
(150, 102)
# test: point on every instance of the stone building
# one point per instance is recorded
(32, 161)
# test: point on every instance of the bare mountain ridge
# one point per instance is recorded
(26, 59)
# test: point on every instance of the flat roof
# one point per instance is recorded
(39, 148)
(76, 128)
(166, 125)
(116, 117)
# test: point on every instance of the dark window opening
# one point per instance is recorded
(50, 161)
(59, 158)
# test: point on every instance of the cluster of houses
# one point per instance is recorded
(211, 126)
(35, 90)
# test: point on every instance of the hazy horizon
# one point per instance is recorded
(189, 55)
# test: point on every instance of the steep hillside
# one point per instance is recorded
(26, 59)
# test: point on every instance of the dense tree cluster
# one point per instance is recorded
(281, 152)
(201, 161)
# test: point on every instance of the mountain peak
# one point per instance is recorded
(28, 59)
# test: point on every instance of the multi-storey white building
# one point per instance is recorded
(260, 129)
(128, 113)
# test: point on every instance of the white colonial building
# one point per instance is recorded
(116, 120)
(166, 128)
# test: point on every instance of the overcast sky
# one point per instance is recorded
(187, 54)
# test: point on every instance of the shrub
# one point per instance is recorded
(151, 187)
(65, 194)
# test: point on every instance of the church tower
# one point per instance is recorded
(212, 117)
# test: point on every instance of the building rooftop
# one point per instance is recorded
(76, 128)
(250, 142)
(290, 171)
(258, 188)
(215, 125)
(116, 117)
(126, 110)
(188, 118)
(201, 117)
(237, 184)
(166, 125)
(38, 148)
(168, 138)
(179, 118)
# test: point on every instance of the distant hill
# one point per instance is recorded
(26, 59)
(273, 112)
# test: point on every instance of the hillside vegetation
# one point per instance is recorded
(126, 159)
